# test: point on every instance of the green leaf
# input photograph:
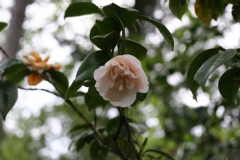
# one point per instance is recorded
(8, 97)
(141, 96)
(161, 153)
(126, 15)
(73, 89)
(12, 66)
(86, 70)
(236, 12)
(59, 80)
(135, 49)
(112, 125)
(105, 34)
(79, 127)
(97, 152)
(80, 9)
(165, 32)
(86, 138)
(127, 148)
(178, 7)
(2, 25)
(93, 99)
(14, 70)
(92, 62)
(195, 65)
(211, 65)
(107, 41)
(207, 10)
(227, 85)
(107, 25)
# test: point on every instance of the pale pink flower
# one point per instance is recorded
(120, 79)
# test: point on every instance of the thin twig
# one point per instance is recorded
(38, 89)
(4, 52)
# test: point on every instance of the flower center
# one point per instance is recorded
(121, 76)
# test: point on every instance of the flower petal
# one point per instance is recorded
(34, 79)
(126, 101)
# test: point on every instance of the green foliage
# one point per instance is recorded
(236, 12)
(2, 25)
(135, 49)
(211, 65)
(207, 10)
(121, 135)
(14, 70)
(106, 41)
(97, 152)
(166, 34)
(125, 15)
(93, 99)
(86, 70)
(73, 89)
(59, 80)
(178, 7)
(8, 97)
(195, 65)
(80, 9)
(228, 86)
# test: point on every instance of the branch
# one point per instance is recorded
(125, 122)
(4, 52)
(37, 89)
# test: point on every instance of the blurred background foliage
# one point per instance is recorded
(176, 124)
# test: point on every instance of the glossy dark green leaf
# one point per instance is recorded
(195, 65)
(73, 89)
(211, 65)
(80, 9)
(105, 34)
(89, 83)
(17, 77)
(14, 70)
(126, 15)
(93, 99)
(97, 152)
(2, 25)
(107, 41)
(178, 7)
(135, 49)
(107, 25)
(59, 80)
(91, 63)
(12, 66)
(236, 12)
(8, 97)
(86, 70)
(141, 96)
(165, 32)
(227, 85)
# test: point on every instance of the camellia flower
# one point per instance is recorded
(120, 79)
(36, 63)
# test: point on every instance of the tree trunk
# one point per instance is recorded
(14, 33)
